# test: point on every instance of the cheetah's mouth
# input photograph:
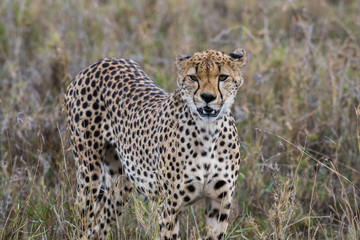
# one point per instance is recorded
(208, 112)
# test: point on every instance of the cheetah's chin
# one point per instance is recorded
(208, 112)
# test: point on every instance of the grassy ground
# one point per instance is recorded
(297, 113)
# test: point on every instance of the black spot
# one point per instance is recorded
(81, 147)
(169, 226)
(206, 166)
(94, 177)
(214, 213)
(219, 184)
(223, 217)
(77, 117)
(95, 106)
(87, 134)
(91, 167)
(85, 123)
(221, 235)
(222, 195)
(187, 199)
(191, 188)
(97, 119)
(101, 193)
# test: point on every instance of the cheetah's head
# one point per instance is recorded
(209, 81)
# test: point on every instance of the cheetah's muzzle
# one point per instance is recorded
(208, 112)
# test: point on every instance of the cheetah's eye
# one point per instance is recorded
(223, 77)
(193, 77)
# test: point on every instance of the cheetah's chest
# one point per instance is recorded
(205, 163)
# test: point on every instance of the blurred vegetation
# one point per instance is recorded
(297, 113)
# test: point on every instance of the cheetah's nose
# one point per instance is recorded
(208, 97)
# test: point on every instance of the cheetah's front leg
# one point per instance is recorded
(217, 213)
(169, 223)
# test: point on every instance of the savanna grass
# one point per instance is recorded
(298, 112)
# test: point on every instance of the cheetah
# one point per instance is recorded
(128, 133)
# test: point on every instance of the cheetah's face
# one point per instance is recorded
(210, 80)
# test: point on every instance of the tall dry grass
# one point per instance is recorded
(298, 113)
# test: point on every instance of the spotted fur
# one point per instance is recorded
(128, 133)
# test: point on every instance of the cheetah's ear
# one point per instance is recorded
(180, 60)
(238, 55)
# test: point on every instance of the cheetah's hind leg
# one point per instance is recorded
(120, 186)
(103, 189)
